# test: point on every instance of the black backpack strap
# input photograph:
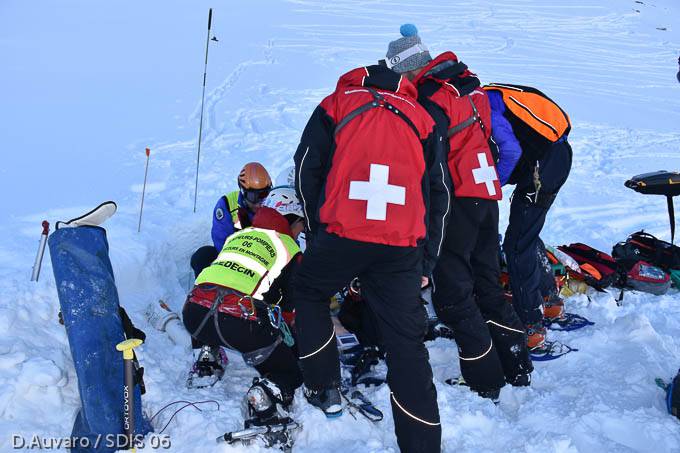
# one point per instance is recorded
(377, 97)
(475, 118)
(671, 216)
(378, 101)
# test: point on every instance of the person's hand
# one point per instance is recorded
(424, 281)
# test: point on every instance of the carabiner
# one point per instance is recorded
(244, 311)
(275, 316)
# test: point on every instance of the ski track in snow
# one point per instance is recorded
(605, 62)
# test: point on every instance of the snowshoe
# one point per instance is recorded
(568, 322)
(275, 433)
(208, 368)
(328, 400)
(358, 402)
(550, 350)
(95, 217)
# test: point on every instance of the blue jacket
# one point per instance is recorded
(509, 150)
(223, 219)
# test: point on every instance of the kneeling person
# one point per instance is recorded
(241, 301)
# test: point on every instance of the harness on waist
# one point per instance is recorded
(234, 303)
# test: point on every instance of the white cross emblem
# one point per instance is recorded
(377, 192)
(485, 174)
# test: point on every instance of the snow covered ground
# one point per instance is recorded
(86, 87)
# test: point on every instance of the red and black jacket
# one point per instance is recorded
(453, 97)
(370, 139)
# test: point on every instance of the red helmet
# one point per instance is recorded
(254, 176)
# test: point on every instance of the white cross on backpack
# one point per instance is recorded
(377, 192)
(485, 174)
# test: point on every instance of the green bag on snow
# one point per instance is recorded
(675, 277)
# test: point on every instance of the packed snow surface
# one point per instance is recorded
(86, 87)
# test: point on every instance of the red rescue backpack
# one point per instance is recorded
(598, 269)
(472, 155)
(647, 278)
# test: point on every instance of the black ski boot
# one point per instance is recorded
(328, 400)
(368, 358)
(521, 380)
(494, 395)
(267, 418)
(267, 402)
(208, 368)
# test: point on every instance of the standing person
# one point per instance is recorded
(232, 212)
(531, 132)
(242, 301)
(467, 294)
(372, 184)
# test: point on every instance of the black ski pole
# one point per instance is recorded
(126, 347)
(200, 126)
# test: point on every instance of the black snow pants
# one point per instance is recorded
(468, 298)
(281, 367)
(527, 217)
(390, 284)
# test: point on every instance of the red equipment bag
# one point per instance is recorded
(598, 269)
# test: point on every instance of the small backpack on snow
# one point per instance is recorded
(597, 269)
(643, 259)
(648, 248)
(647, 278)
